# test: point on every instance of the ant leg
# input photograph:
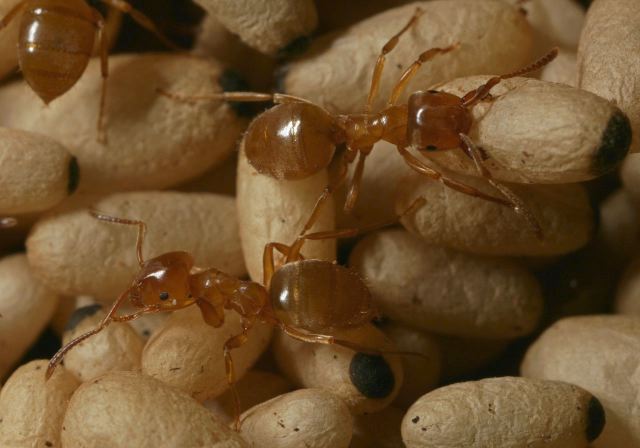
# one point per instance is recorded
(133, 316)
(386, 49)
(104, 69)
(230, 344)
(142, 20)
(142, 229)
(434, 174)
(238, 97)
(57, 358)
(354, 189)
(517, 204)
(13, 12)
(410, 72)
(482, 92)
(268, 260)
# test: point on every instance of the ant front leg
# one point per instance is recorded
(142, 20)
(13, 12)
(232, 343)
(235, 97)
(104, 70)
(142, 229)
(517, 204)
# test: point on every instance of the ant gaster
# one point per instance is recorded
(296, 138)
(56, 40)
(306, 299)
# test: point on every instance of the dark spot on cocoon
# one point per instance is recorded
(81, 314)
(47, 443)
(371, 375)
(231, 81)
(614, 145)
(74, 175)
(596, 419)
(585, 3)
(415, 419)
(294, 48)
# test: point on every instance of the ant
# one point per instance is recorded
(305, 298)
(296, 138)
(56, 41)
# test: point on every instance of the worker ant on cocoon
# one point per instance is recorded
(307, 299)
(296, 138)
(56, 41)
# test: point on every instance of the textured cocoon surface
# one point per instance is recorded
(75, 253)
(446, 291)
(535, 131)
(9, 39)
(312, 418)
(507, 412)
(36, 172)
(253, 388)
(599, 353)
(267, 26)
(32, 408)
(608, 62)
(153, 141)
(562, 69)
(117, 347)
(128, 409)
(475, 225)
(271, 210)
(420, 374)
(26, 306)
(336, 72)
(367, 383)
(188, 353)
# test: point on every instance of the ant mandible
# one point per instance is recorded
(56, 41)
(296, 138)
(304, 298)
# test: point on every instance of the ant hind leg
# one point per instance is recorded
(231, 343)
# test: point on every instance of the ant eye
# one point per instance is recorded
(164, 295)
(431, 148)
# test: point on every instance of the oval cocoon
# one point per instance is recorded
(153, 141)
(607, 56)
(36, 172)
(188, 354)
(312, 418)
(471, 224)
(599, 353)
(271, 210)
(117, 347)
(77, 254)
(446, 291)
(508, 412)
(534, 131)
(32, 408)
(26, 306)
(336, 72)
(268, 27)
(127, 409)
(366, 383)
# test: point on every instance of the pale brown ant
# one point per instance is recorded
(296, 138)
(56, 41)
(307, 299)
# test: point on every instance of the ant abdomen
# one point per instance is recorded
(55, 44)
(436, 120)
(291, 141)
(317, 295)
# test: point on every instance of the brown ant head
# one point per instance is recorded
(163, 281)
(435, 121)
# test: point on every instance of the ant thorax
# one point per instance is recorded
(436, 120)
(364, 130)
(317, 295)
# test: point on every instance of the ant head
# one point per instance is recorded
(435, 121)
(163, 281)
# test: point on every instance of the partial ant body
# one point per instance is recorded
(296, 138)
(306, 299)
(56, 41)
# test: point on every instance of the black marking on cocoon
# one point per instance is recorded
(596, 419)
(74, 175)
(231, 81)
(614, 145)
(81, 314)
(371, 375)
(294, 48)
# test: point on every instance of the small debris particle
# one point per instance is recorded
(415, 419)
